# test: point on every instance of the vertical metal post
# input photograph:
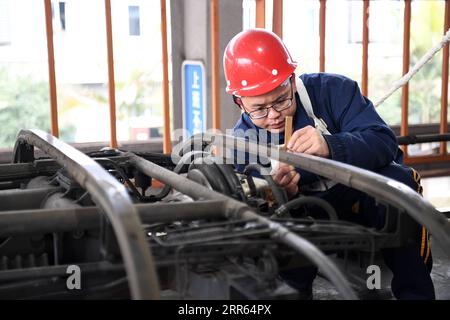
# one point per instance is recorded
(405, 89)
(215, 64)
(365, 48)
(444, 90)
(322, 18)
(111, 82)
(277, 19)
(167, 147)
(260, 13)
(51, 69)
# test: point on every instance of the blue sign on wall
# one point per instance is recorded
(194, 96)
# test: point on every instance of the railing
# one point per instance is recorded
(111, 81)
(277, 26)
(443, 156)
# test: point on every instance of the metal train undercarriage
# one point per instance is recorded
(210, 233)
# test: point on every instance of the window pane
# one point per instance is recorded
(386, 56)
(344, 38)
(138, 71)
(302, 40)
(134, 20)
(436, 190)
(24, 92)
(427, 25)
(248, 14)
(81, 72)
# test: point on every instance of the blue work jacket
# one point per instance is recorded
(358, 134)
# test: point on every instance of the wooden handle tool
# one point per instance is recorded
(287, 131)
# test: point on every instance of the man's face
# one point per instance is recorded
(274, 121)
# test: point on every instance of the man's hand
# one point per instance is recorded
(286, 177)
(309, 140)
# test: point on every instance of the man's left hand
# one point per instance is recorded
(309, 140)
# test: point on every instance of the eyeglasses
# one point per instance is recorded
(263, 112)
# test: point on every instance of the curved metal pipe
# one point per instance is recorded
(112, 197)
(302, 200)
(376, 185)
(240, 210)
(42, 221)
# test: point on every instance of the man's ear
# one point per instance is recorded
(293, 82)
(237, 101)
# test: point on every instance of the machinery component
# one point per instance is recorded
(209, 229)
(302, 200)
(384, 189)
(278, 232)
(279, 194)
(110, 196)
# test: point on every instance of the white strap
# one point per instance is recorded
(325, 184)
(306, 102)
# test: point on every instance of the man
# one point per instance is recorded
(331, 119)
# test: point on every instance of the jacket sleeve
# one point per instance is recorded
(363, 138)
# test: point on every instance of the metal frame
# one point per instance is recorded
(322, 30)
(260, 13)
(111, 81)
(404, 128)
(365, 49)
(51, 68)
(111, 197)
(29, 221)
(260, 23)
(384, 189)
(277, 17)
(236, 209)
(215, 64)
(167, 145)
(444, 89)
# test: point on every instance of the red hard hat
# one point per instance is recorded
(256, 61)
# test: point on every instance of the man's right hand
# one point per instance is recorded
(285, 176)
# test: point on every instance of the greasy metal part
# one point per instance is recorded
(55, 271)
(376, 185)
(197, 176)
(12, 171)
(58, 201)
(279, 194)
(41, 221)
(185, 160)
(236, 209)
(302, 200)
(19, 199)
(112, 197)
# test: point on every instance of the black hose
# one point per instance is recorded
(302, 200)
(233, 181)
(183, 161)
(279, 194)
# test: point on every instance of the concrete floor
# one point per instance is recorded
(324, 290)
